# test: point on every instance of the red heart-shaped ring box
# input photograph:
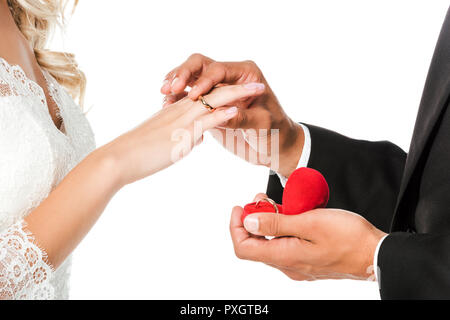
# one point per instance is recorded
(306, 189)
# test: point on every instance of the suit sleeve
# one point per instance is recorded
(414, 266)
(363, 176)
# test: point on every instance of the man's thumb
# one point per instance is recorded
(271, 224)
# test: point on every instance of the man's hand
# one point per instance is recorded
(319, 244)
(257, 117)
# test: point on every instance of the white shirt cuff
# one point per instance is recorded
(375, 260)
(306, 152)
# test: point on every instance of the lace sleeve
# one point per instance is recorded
(24, 272)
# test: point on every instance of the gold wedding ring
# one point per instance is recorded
(206, 104)
(269, 201)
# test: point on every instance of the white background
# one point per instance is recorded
(357, 67)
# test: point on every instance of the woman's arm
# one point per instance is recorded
(66, 216)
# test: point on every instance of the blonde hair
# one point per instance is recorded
(37, 20)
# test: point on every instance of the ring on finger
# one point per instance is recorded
(206, 104)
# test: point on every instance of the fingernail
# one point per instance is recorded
(231, 110)
(165, 83)
(174, 81)
(254, 86)
(251, 224)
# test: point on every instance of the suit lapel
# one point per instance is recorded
(435, 97)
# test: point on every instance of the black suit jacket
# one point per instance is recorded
(407, 195)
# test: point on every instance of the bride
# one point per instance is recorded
(54, 184)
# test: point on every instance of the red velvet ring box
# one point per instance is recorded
(306, 189)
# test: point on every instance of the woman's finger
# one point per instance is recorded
(172, 98)
(216, 118)
(222, 96)
(226, 95)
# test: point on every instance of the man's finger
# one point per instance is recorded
(250, 118)
(260, 196)
(180, 80)
(280, 225)
(166, 87)
(238, 233)
(182, 76)
(216, 73)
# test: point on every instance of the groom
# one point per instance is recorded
(401, 232)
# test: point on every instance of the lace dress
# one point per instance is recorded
(34, 157)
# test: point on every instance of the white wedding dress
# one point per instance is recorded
(34, 157)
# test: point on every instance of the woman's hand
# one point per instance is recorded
(319, 244)
(260, 121)
(61, 221)
(172, 132)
